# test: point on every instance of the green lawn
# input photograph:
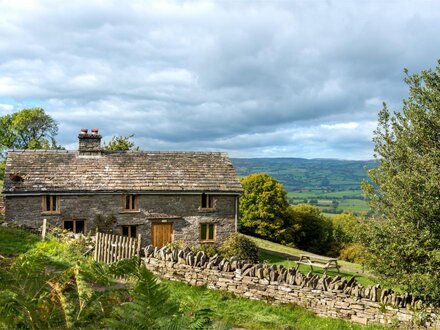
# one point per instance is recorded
(231, 312)
(273, 254)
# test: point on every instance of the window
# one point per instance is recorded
(207, 232)
(207, 201)
(130, 203)
(51, 204)
(129, 231)
(77, 226)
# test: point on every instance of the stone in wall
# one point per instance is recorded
(327, 296)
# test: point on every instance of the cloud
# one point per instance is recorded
(299, 79)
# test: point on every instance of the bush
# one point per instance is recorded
(352, 252)
(210, 249)
(241, 247)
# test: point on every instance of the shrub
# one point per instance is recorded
(240, 246)
(210, 249)
(352, 252)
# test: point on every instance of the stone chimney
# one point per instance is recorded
(89, 144)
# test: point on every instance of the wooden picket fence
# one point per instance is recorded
(111, 248)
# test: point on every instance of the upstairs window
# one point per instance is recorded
(129, 231)
(51, 204)
(207, 232)
(130, 203)
(207, 201)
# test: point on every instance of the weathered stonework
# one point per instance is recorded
(106, 212)
(326, 296)
(90, 184)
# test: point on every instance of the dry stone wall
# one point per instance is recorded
(334, 297)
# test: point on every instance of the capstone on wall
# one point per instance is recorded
(106, 213)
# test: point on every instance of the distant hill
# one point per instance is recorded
(298, 174)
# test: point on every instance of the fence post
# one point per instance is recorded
(138, 249)
(96, 246)
(43, 232)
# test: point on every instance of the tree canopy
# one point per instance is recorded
(29, 128)
(121, 143)
(404, 241)
(263, 207)
(312, 230)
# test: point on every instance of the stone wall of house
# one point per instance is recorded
(332, 297)
(106, 213)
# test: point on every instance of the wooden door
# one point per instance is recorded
(161, 234)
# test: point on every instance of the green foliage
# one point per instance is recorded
(404, 243)
(313, 229)
(28, 129)
(2, 170)
(150, 307)
(346, 229)
(14, 241)
(241, 247)
(263, 207)
(120, 143)
(210, 249)
(353, 252)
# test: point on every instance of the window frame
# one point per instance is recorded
(130, 234)
(208, 200)
(74, 225)
(54, 201)
(214, 232)
(134, 201)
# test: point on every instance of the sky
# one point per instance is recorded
(299, 78)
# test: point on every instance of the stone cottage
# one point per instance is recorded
(164, 196)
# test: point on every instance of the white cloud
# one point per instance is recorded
(340, 126)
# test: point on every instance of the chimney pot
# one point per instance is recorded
(84, 130)
(95, 131)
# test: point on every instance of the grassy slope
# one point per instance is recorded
(275, 253)
(227, 310)
(230, 311)
(15, 241)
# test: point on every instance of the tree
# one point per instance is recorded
(263, 207)
(404, 241)
(26, 129)
(121, 143)
(313, 231)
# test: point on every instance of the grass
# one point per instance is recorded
(225, 309)
(348, 269)
(324, 194)
(279, 260)
(231, 312)
(14, 241)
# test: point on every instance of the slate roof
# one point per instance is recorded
(33, 171)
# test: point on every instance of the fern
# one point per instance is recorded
(150, 308)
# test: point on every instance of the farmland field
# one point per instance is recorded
(332, 185)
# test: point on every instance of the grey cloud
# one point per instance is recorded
(251, 78)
